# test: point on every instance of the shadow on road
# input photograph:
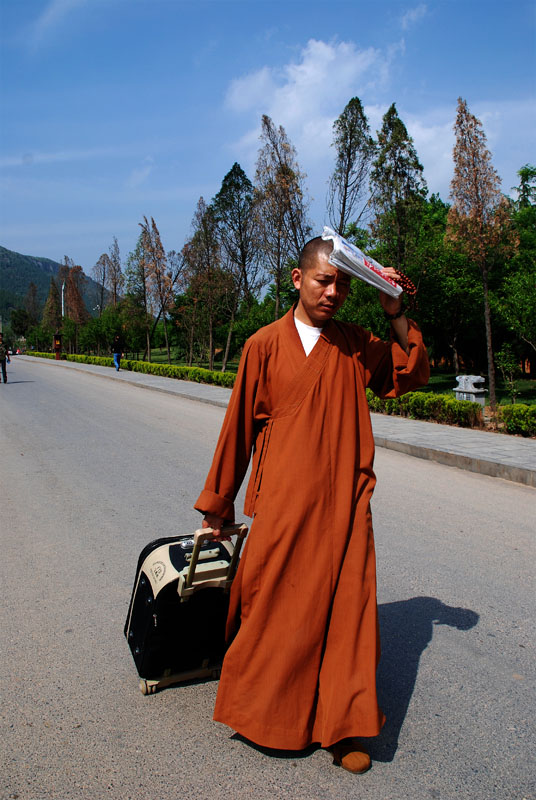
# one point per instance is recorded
(406, 629)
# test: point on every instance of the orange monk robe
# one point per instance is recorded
(302, 666)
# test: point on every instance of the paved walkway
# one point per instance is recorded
(499, 455)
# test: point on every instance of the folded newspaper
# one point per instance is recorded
(351, 259)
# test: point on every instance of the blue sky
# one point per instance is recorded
(116, 109)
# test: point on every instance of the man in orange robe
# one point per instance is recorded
(303, 626)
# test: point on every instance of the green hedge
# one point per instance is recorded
(425, 405)
(195, 374)
(443, 408)
(519, 418)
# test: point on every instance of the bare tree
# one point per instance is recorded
(479, 220)
(281, 202)
(115, 278)
(157, 274)
(355, 149)
(100, 275)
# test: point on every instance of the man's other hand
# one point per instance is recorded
(214, 522)
(390, 304)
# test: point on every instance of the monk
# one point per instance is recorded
(303, 625)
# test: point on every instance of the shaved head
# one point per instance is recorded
(312, 250)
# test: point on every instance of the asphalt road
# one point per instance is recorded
(91, 470)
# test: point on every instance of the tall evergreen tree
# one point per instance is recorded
(355, 149)
(399, 190)
(234, 209)
(206, 278)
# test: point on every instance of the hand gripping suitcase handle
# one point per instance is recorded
(207, 534)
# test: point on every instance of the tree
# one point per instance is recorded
(479, 220)
(52, 309)
(100, 275)
(281, 203)
(20, 322)
(526, 191)
(115, 278)
(399, 191)
(75, 308)
(136, 286)
(31, 305)
(234, 209)
(355, 149)
(517, 303)
(157, 275)
(203, 262)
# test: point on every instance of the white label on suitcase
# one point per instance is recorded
(159, 569)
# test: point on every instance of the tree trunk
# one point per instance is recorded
(228, 342)
(491, 367)
(148, 346)
(167, 340)
(277, 295)
(210, 343)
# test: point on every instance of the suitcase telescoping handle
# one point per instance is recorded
(207, 534)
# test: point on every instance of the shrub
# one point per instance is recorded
(428, 406)
(519, 418)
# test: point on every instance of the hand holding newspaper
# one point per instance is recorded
(352, 260)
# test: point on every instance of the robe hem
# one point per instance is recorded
(283, 739)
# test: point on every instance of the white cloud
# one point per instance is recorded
(413, 16)
(52, 16)
(306, 95)
(140, 174)
(28, 159)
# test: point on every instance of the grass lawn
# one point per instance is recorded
(444, 382)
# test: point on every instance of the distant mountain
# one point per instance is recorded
(18, 271)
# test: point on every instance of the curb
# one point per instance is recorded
(483, 466)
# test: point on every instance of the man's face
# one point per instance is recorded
(323, 289)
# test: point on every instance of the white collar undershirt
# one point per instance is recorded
(308, 335)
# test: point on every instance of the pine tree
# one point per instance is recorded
(398, 189)
(355, 149)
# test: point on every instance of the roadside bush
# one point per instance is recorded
(519, 418)
(427, 406)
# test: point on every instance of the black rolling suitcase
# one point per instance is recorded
(175, 625)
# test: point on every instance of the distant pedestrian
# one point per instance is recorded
(118, 350)
(4, 356)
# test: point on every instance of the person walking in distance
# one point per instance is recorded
(303, 625)
(118, 350)
(4, 357)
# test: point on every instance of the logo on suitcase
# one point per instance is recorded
(158, 570)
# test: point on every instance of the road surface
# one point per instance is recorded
(92, 469)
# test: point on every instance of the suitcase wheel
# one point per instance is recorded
(148, 687)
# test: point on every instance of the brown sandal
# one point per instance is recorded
(349, 755)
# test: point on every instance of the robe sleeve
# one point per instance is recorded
(390, 371)
(235, 442)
